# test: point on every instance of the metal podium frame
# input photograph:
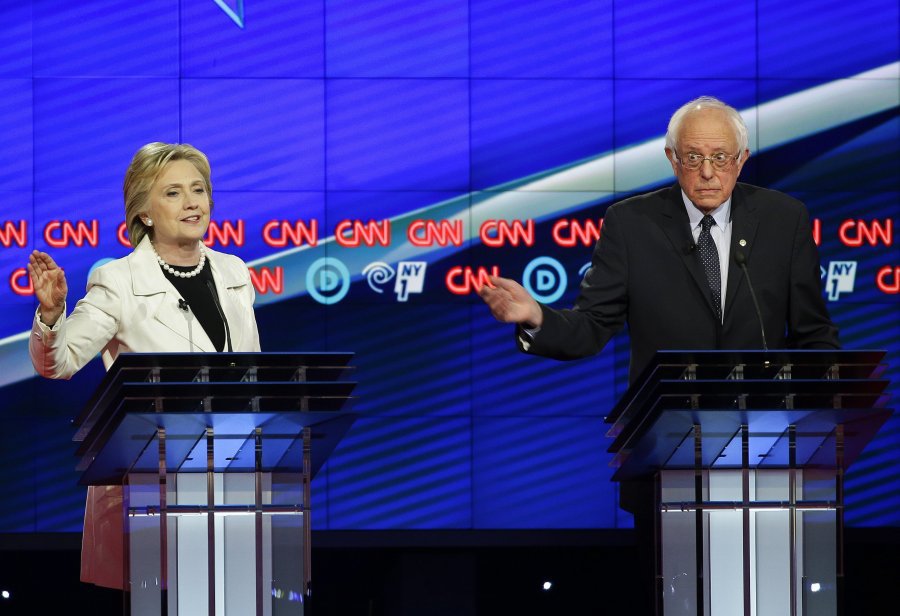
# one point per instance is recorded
(215, 454)
(747, 451)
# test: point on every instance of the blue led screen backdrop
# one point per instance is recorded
(371, 160)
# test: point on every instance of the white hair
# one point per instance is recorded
(707, 102)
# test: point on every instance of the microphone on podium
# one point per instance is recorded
(215, 297)
(741, 259)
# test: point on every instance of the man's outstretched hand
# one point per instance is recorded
(510, 303)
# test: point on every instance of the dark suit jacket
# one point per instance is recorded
(646, 274)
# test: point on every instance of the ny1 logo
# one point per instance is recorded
(840, 277)
(408, 278)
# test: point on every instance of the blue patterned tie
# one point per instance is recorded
(710, 257)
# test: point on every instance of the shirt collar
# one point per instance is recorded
(721, 214)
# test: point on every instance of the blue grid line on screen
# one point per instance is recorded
(528, 469)
(685, 40)
(17, 127)
(260, 134)
(397, 39)
(428, 371)
(114, 38)
(541, 39)
(643, 106)
(522, 127)
(405, 134)
(87, 129)
(857, 156)
(803, 39)
(276, 40)
(396, 205)
(15, 40)
(506, 383)
(377, 479)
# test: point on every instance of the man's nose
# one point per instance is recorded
(706, 169)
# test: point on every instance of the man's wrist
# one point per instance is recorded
(536, 321)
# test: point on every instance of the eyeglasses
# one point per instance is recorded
(720, 160)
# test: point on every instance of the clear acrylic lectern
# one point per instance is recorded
(215, 454)
(747, 450)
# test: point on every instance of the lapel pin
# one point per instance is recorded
(742, 242)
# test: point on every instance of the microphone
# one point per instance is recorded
(741, 259)
(212, 291)
(189, 317)
(689, 248)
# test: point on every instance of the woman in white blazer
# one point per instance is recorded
(169, 294)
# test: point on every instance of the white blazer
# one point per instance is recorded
(130, 306)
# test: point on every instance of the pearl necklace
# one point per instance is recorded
(175, 272)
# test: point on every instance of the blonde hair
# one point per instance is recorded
(145, 167)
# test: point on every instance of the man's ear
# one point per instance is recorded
(670, 155)
(744, 156)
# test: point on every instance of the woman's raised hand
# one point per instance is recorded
(49, 282)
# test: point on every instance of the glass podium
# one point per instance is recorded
(215, 454)
(747, 452)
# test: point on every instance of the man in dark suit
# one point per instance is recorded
(671, 263)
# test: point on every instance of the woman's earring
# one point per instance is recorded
(148, 222)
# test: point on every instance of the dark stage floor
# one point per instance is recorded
(441, 573)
